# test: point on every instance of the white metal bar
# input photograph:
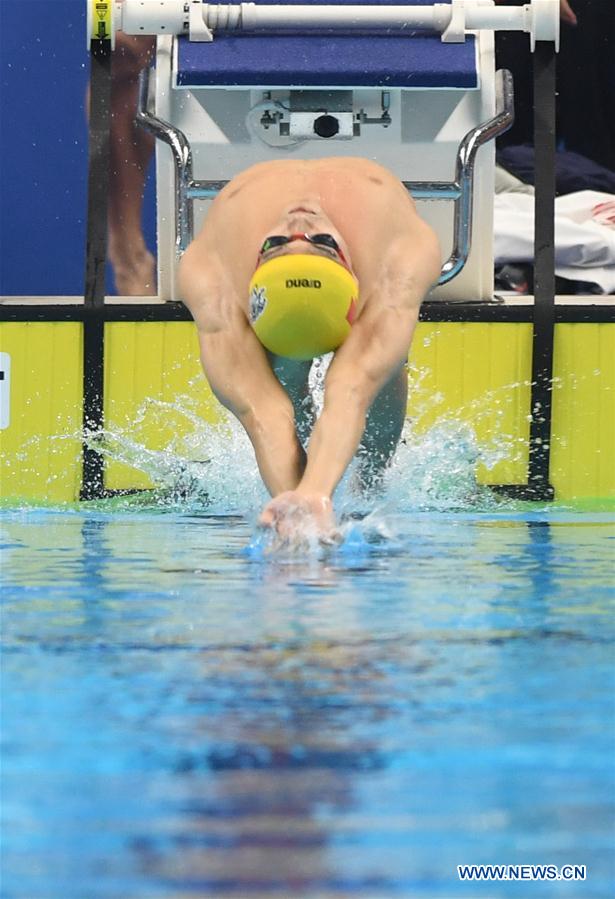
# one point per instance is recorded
(256, 16)
(539, 18)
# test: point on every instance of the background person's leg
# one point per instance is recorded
(131, 150)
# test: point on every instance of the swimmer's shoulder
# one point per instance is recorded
(205, 286)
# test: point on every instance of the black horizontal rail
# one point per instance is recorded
(603, 311)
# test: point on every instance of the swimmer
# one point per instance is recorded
(297, 258)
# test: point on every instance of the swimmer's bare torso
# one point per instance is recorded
(365, 207)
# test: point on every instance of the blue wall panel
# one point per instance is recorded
(44, 68)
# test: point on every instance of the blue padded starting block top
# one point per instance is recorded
(413, 60)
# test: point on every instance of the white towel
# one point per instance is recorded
(584, 234)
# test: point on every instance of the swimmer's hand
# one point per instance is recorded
(298, 518)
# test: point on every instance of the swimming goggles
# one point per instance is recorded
(317, 240)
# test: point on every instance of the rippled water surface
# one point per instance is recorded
(186, 714)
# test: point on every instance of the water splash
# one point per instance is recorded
(202, 465)
(213, 465)
(436, 470)
(194, 464)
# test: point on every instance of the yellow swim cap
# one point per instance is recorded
(302, 305)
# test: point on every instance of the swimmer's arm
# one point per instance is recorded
(374, 351)
(376, 347)
(240, 376)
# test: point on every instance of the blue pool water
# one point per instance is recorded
(188, 715)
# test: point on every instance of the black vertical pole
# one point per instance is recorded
(544, 271)
(92, 485)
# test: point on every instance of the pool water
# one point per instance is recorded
(188, 714)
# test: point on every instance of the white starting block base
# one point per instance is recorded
(420, 144)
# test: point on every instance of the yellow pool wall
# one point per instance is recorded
(155, 393)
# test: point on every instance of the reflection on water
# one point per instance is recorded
(184, 718)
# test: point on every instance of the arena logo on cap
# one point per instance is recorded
(304, 282)
(258, 302)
